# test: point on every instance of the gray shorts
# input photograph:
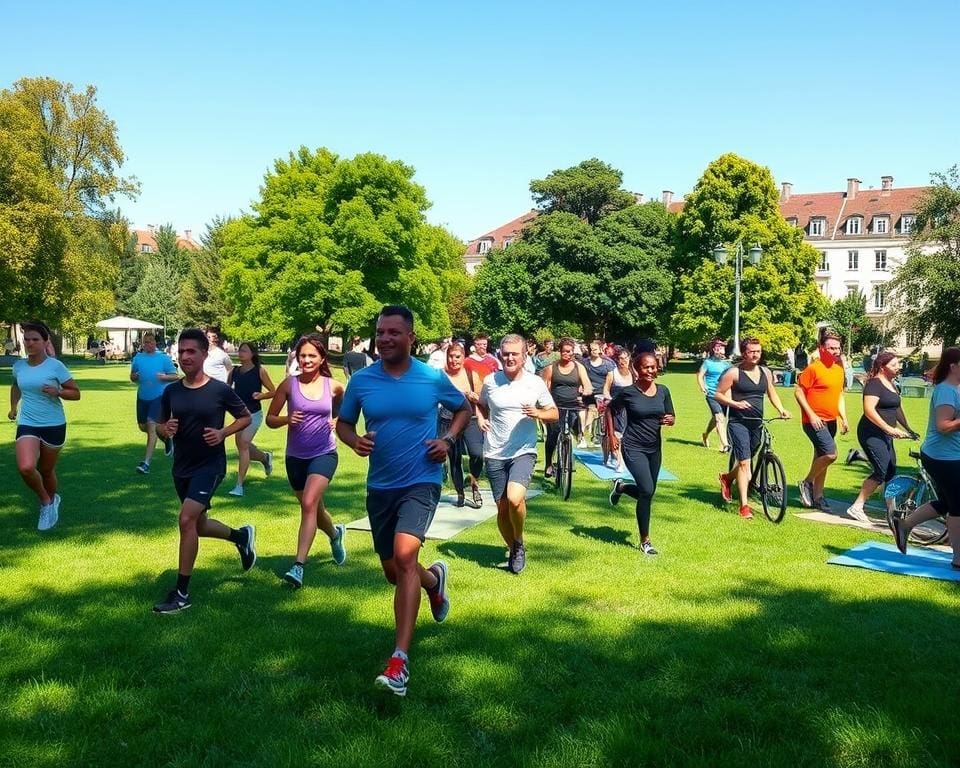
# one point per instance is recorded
(519, 469)
(822, 439)
(407, 510)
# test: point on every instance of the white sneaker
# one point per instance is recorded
(857, 513)
(49, 514)
(237, 490)
(268, 463)
(582, 443)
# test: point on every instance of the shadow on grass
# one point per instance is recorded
(602, 533)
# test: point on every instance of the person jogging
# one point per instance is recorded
(192, 414)
(312, 399)
(708, 377)
(398, 398)
(151, 370)
(252, 383)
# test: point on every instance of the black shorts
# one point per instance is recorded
(822, 439)
(199, 487)
(148, 410)
(52, 437)
(407, 510)
(589, 399)
(744, 439)
(945, 476)
(500, 472)
(715, 408)
(299, 469)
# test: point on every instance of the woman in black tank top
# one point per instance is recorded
(567, 380)
(249, 380)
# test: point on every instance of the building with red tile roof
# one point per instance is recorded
(501, 237)
(146, 243)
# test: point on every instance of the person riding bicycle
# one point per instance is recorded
(741, 390)
(567, 381)
(597, 367)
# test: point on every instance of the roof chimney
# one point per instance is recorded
(886, 184)
(187, 233)
(151, 228)
(853, 186)
(786, 190)
(667, 198)
(638, 197)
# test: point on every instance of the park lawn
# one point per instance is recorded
(736, 646)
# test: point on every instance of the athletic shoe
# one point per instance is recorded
(43, 522)
(857, 513)
(616, 492)
(725, 490)
(851, 456)
(477, 497)
(725, 449)
(248, 550)
(806, 493)
(294, 576)
(237, 490)
(746, 513)
(55, 512)
(173, 603)
(167, 446)
(823, 505)
(582, 443)
(647, 548)
(548, 471)
(394, 678)
(143, 468)
(519, 560)
(705, 440)
(337, 548)
(268, 463)
(439, 601)
(899, 535)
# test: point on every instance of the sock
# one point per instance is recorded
(299, 563)
(237, 536)
(401, 655)
(183, 584)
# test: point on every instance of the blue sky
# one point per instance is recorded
(482, 98)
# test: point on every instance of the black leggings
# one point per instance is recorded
(946, 480)
(469, 442)
(644, 468)
(572, 414)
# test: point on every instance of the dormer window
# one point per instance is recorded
(853, 225)
(792, 221)
(817, 226)
(145, 248)
(507, 241)
(881, 225)
(906, 223)
(483, 246)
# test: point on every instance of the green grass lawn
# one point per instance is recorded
(737, 646)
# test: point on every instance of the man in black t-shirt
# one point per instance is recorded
(192, 413)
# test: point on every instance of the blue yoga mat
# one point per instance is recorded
(594, 462)
(926, 563)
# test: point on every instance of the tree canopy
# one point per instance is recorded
(330, 241)
(590, 190)
(736, 201)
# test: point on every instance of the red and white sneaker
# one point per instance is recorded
(394, 678)
(725, 489)
(746, 513)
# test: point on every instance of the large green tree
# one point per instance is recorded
(736, 201)
(590, 190)
(201, 294)
(849, 317)
(329, 242)
(925, 290)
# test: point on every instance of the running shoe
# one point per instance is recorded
(806, 493)
(167, 446)
(477, 497)
(899, 535)
(394, 678)
(294, 576)
(823, 505)
(857, 513)
(173, 603)
(616, 492)
(746, 513)
(647, 548)
(237, 490)
(337, 545)
(851, 456)
(43, 522)
(582, 443)
(725, 490)
(548, 471)
(143, 468)
(439, 600)
(268, 463)
(705, 440)
(248, 550)
(519, 560)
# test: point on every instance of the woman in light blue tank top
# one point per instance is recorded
(313, 400)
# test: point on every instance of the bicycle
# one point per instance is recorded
(598, 427)
(563, 472)
(904, 493)
(767, 476)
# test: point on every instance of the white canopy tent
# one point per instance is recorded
(113, 325)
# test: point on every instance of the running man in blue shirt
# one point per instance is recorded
(714, 366)
(399, 398)
(151, 370)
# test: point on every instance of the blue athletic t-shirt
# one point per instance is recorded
(148, 366)
(38, 409)
(403, 413)
(713, 369)
(935, 445)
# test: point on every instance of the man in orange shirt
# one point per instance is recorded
(819, 391)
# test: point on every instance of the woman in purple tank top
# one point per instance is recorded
(313, 400)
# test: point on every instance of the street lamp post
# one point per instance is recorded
(754, 254)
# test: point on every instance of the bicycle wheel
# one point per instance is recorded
(565, 473)
(773, 488)
(906, 494)
(558, 460)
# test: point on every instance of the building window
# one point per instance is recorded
(824, 262)
(880, 261)
(853, 260)
(906, 224)
(507, 241)
(816, 227)
(880, 225)
(483, 246)
(853, 225)
(145, 248)
(879, 296)
(792, 221)
(853, 290)
(913, 337)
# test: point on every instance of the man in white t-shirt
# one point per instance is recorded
(438, 358)
(218, 363)
(511, 400)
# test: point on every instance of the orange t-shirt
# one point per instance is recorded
(823, 387)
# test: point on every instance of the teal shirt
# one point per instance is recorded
(713, 369)
(936, 445)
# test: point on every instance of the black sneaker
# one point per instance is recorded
(174, 602)
(851, 456)
(648, 549)
(616, 492)
(248, 550)
(143, 468)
